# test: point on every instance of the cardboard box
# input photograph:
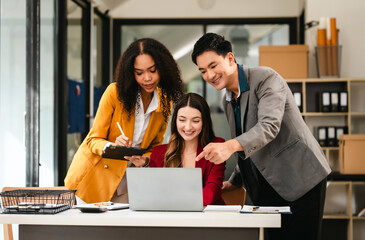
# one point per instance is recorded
(290, 61)
(352, 154)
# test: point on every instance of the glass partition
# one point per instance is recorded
(96, 51)
(46, 131)
(12, 93)
(76, 83)
(12, 96)
(100, 81)
(179, 39)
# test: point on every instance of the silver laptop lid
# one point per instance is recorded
(165, 189)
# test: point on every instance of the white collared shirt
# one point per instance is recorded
(142, 118)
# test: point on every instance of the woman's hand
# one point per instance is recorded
(123, 141)
(138, 161)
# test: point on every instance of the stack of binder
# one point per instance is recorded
(328, 136)
(333, 102)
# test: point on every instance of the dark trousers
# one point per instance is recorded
(305, 222)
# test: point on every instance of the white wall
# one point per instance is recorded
(350, 19)
(197, 9)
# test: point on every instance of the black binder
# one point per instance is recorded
(119, 152)
(334, 101)
(343, 102)
(324, 102)
(331, 136)
(339, 132)
(322, 136)
(298, 100)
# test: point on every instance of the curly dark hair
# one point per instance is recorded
(211, 42)
(176, 143)
(170, 83)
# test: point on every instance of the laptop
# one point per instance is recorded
(165, 189)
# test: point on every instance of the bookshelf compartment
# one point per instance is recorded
(358, 124)
(313, 90)
(357, 97)
(325, 121)
(296, 87)
(336, 203)
(332, 158)
(358, 197)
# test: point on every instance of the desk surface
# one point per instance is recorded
(128, 217)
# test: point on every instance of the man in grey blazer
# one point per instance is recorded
(279, 161)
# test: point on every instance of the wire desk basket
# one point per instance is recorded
(30, 201)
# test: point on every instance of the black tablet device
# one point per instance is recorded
(119, 152)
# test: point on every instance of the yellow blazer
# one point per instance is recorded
(95, 178)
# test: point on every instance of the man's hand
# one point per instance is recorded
(219, 152)
(227, 186)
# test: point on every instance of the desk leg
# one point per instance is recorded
(40, 232)
(8, 232)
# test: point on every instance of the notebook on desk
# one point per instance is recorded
(165, 189)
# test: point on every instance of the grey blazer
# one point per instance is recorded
(276, 138)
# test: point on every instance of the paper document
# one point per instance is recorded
(222, 208)
(265, 209)
(106, 205)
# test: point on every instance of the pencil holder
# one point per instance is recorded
(328, 61)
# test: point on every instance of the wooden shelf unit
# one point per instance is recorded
(344, 199)
(347, 197)
(354, 119)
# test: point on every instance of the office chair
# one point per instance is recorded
(235, 197)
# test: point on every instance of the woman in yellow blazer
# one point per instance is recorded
(147, 83)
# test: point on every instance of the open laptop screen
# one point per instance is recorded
(165, 189)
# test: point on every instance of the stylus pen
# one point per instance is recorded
(120, 128)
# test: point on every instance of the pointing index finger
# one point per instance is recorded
(200, 156)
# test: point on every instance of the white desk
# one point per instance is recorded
(127, 224)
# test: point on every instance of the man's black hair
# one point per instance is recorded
(211, 42)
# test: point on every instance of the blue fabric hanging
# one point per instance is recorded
(76, 106)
